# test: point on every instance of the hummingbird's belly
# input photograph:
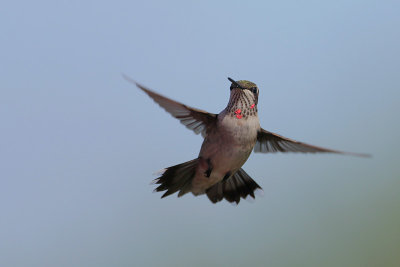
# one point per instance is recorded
(224, 151)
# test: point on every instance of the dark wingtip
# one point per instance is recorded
(361, 155)
(129, 79)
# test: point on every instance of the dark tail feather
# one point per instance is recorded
(177, 178)
(239, 185)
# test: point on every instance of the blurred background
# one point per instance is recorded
(80, 145)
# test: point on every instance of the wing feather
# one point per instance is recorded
(194, 119)
(269, 142)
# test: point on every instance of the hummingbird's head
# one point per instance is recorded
(244, 95)
(248, 88)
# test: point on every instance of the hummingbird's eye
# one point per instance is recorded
(233, 86)
(254, 90)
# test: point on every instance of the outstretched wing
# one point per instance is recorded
(194, 119)
(268, 142)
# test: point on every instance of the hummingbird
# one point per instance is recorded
(229, 139)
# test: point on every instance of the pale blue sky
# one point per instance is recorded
(79, 145)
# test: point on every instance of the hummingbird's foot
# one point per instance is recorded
(207, 173)
(227, 175)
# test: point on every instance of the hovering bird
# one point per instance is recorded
(229, 139)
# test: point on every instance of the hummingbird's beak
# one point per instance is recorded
(235, 83)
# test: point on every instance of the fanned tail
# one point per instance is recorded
(177, 178)
(239, 185)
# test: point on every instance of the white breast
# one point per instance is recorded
(228, 146)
